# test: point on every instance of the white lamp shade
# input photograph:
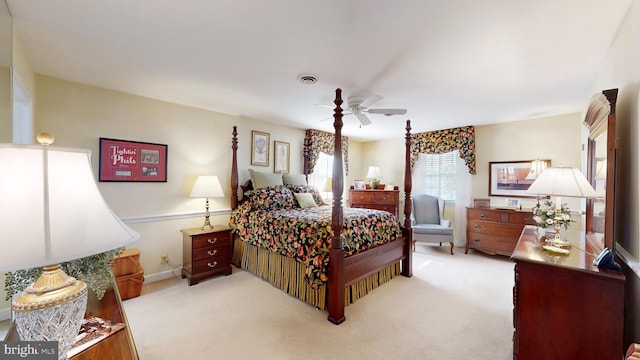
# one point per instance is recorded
(207, 186)
(537, 166)
(373, 173)
(51, 209)
(562, 181)
(328, 185)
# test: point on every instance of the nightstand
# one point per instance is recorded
(205, 253)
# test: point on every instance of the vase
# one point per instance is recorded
(550, 232)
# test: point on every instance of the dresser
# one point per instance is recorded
(495, 231)
(564, 307)
(205, 253)
(387, 200)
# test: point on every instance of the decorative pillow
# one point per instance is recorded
(262, 179)
(307, 189)
(305, 200)
(271, 198)
(294, 179)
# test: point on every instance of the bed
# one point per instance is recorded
(296, 249)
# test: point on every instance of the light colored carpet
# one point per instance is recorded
(454, 307)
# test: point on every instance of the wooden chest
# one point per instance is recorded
(495, 231)
(387, 200)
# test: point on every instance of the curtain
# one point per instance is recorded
(315, 142)
(463, 199)
(443, 141)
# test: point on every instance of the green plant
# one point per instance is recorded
(94, 270)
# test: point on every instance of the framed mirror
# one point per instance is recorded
(601, 170)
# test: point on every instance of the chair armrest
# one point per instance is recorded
(445, 222)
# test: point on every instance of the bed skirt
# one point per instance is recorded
(288, 275)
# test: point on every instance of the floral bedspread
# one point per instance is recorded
(268, 220)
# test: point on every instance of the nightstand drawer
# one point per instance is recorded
(211, 239)
(204, 253)
(213, 264)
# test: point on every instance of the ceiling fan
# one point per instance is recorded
(360, 106)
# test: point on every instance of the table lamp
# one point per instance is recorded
(559, 182)
(207, 186)
(374, 176)
(52, 212)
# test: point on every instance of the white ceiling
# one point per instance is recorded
(450, 63)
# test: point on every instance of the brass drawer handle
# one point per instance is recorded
(483, 215)
(476, 226)
(212, 241)
(211, 253)
(212, 265)
(476, 239)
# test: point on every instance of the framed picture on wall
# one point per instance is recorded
(259, 148)
(124, 160)
(513, 178)
(281, 157)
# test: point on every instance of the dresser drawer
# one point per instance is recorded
(484, 214)
(525, 218)
(212, 264)
(211, 239)
(491, 228)
(361, 197)
(499, 244)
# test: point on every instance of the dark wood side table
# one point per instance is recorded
(564, 306)
(205, 253)
(116, 346)
(387, 200)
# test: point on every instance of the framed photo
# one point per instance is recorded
(259, 148)
(513, 178)
(281, 157)
(482, 203)
(513, 203)
(358, 184)
(124, 160)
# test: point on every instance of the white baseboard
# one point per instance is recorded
(167, 274)
(5, 314)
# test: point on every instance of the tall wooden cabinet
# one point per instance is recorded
(387, 200)
(564, 307)
(495, 231)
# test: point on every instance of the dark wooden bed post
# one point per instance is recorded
(407, 261)
(336, 282)
(234, 169)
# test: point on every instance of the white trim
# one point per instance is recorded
(628, 259)
(163, 275)
(154, 218)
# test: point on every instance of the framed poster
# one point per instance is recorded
(512, 178)
(124, 160)
(259, 148)
(281, 157)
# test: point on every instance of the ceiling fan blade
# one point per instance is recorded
(326, 106)
(370, 100)
(364, 120)
(347, 112)
(388, 111)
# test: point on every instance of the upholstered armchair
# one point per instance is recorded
(428, 223)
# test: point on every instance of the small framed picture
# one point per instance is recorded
(481, 203)
(259, 148)
(358, 184)
(281, 158)
(513, 203)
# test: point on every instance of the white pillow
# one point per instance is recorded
(305, 200)
(261, 179)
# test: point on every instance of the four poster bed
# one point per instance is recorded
(326, 256)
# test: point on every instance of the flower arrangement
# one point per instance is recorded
(545, 214)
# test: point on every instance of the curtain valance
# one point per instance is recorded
(443, 141)
(315, 142)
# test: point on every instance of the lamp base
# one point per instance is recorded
(51, 309)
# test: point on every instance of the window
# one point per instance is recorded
(439, 175)
(321, 172)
